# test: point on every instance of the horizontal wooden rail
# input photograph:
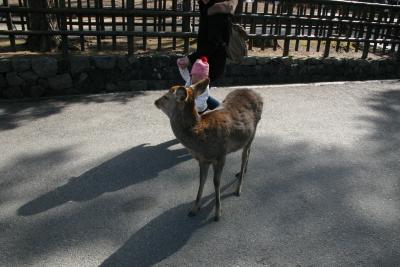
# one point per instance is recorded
(99, 11)
(102, 33)
(343, 2)
(332, 38)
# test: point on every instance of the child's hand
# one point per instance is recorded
(183, 62)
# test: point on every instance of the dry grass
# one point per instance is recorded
(341, 53)
(152, 47)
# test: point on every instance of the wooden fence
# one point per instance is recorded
(370, 26)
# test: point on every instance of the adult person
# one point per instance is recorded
(212, 38)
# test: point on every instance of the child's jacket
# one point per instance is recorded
(201, 100)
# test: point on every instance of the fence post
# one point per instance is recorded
(252, 23)
(27, 16)
(144, 26)
(159, 25)
(186, 23)
(275, 11)
(389, 31)
(20, 4)
(10, 27)
(330, 30)
(368, 35)
(398, 52)
(98, 24)
(89, 17)
(397, 31)
(63, 26)
(288, 31)
(130, 29)
(80, 22)
(114, 26)
(310, 24)
(174, 8)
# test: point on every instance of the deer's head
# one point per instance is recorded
(178, 98)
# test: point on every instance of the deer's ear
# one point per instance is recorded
(200, 87)
(181, 94)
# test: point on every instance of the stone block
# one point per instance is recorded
(162, 61)
(63, 65)
(123, 86)
(3, 81)
(172, 74)
(44, 83)
(5, 65)
(29, 77)
(45, 67)
(13, 79)
(80, 64)
(249, 61)
(37, 91)
(21, 64)
(104, 62)
(123, 63)
(263, 60)
(60, 82)
(133, 60)
(13, 92)
(313, 61)
(287, 61)
(111, 87)
(83, 77)
(249, 70)
(138, 85)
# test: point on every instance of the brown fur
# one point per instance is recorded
(211, 136)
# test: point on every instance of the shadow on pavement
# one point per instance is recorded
(134, 166)
(385, 123)
(164, 235)
(13, 113)
(27, 167)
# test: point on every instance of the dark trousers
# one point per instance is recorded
(212, 103)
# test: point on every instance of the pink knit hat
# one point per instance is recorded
(200, 67)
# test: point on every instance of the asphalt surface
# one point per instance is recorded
(101, 180)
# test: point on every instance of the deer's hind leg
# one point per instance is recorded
(243, 167)
(204, 167)
(218, 167)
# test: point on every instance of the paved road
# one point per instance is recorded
(100, 180)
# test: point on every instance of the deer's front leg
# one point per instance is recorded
(218, 167)
(204, 167)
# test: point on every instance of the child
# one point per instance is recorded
(199, 71)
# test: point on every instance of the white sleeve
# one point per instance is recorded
(201, 100)
(185, 75)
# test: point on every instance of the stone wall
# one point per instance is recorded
(49, 76)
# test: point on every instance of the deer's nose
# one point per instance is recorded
(157, 103)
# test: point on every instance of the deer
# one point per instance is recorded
(210, 136)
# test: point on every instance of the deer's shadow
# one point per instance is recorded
(164, 235)
(133, 166)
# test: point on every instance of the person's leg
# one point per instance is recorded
(217, 63)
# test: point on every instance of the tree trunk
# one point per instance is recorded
(42, 22)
